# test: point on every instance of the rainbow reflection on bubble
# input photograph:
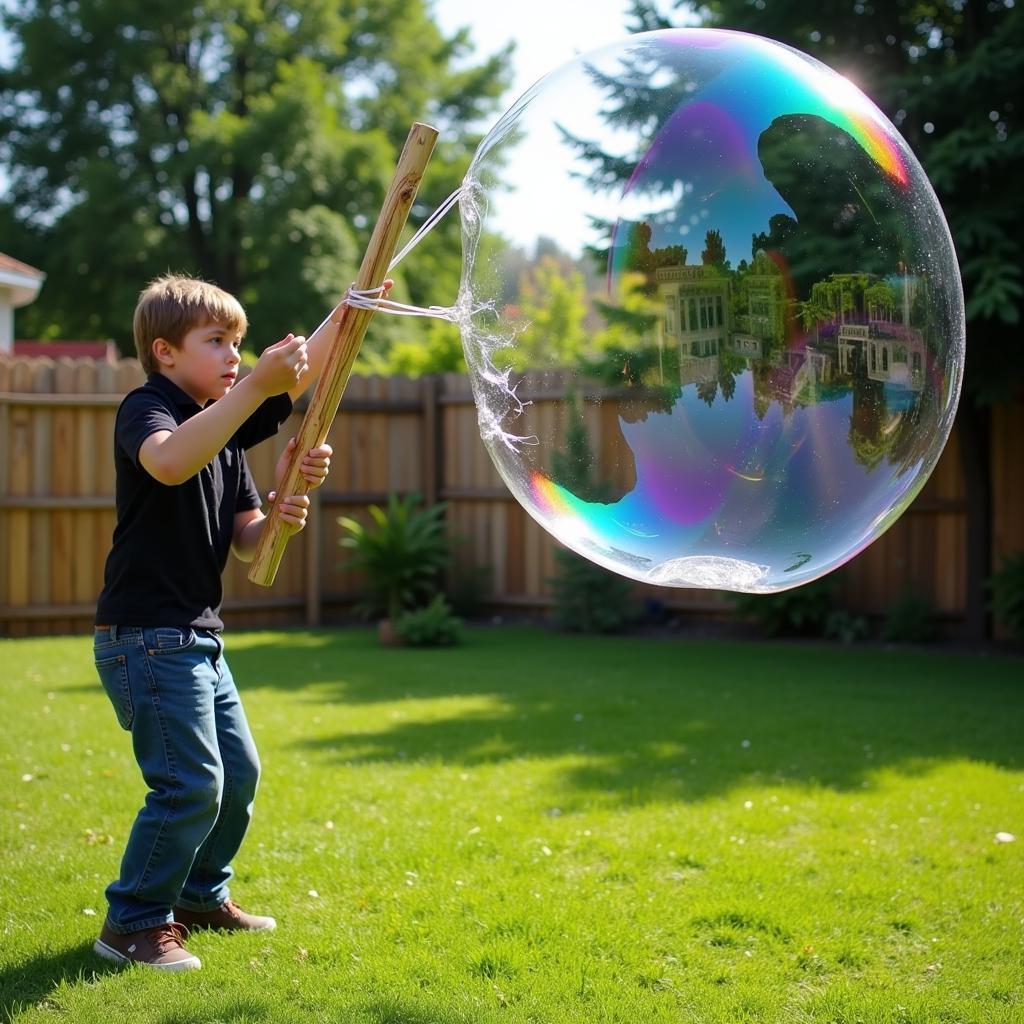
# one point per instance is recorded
(772, 351)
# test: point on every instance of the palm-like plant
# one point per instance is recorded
(401, 553)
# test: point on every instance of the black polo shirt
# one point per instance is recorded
(171, 543)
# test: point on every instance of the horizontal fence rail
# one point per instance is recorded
(393, 435)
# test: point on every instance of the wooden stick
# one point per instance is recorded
(349, 325)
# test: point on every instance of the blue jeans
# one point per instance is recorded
(173, 690)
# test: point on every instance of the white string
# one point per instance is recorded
(373, 298)
(427, 225)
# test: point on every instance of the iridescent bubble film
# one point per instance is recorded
(767, 359)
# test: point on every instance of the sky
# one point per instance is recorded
(547, 34)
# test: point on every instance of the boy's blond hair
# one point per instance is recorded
(170, 306)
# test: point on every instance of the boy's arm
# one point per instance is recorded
(317, 348)
(174, 456)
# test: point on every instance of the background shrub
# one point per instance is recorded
(910, 620)
(431, 626)
(1007, 587)
(802, 611)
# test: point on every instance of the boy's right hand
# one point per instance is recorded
(281, 366)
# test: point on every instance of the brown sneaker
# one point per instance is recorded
(162, 947)
(228, 917)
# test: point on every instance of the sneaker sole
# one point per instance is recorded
(193, 963)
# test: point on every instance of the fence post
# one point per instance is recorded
(314, 559)
(433, 440)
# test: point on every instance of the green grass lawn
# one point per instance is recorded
(545, 828)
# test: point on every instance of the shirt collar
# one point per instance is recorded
(172, 391)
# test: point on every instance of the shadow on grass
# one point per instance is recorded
(30, 982)
(236, 1009)
(397, 1011)
(653, 719)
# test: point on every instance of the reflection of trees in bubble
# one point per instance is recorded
(644, 261)
(642, 94)
(849, 214)
(714, 250)
(635, 377)
(825, 291)
(880, 300)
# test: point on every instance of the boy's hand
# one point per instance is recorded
(281, 366)
(292, 509)
(315, 466)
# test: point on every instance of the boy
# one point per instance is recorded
(185, 498)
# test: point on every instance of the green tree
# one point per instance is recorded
(950, 76)
(553, 302)
(249, 142)
(811, 314)
(714, 250)
(880, 301)
(439, 350)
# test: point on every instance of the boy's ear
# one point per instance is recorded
(163, 352)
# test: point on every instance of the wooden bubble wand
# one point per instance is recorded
(349, 324)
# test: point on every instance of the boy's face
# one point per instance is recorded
(206, 364)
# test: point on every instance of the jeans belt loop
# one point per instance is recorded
(113, 633)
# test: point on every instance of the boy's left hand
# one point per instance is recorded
(314, 469)
(314, 466)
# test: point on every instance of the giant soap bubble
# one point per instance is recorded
(774, 363)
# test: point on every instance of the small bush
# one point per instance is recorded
(431, 626)
(590, 598)
(845, 627)
(802, 611)
(401, 554)
(911, 620)
(1007, 587)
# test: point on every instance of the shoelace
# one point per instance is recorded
(170, 936)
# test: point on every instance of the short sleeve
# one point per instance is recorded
(140, 414)
(265, 421)
(248, 496)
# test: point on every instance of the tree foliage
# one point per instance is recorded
(249, 142)
(553, 307)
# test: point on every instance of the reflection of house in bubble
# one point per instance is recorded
(897, 357)
(696, 317)
(762, 326)
(885, 351)
(799, 376)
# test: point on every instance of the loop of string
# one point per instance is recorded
(373, 298)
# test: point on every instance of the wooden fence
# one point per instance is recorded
(394, 434)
